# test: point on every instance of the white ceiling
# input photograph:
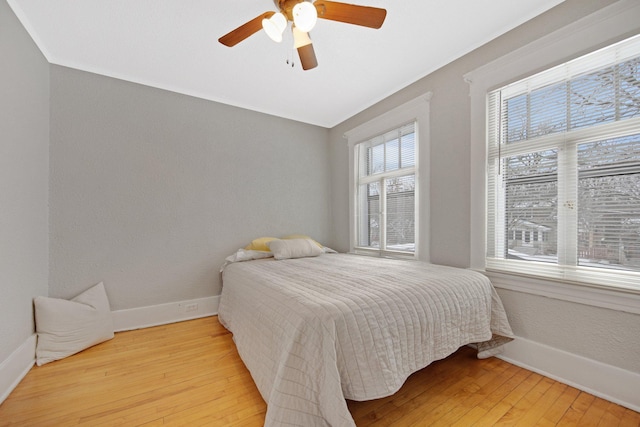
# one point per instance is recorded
(172, 44)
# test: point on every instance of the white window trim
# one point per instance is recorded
(418, 110)
(607, 26)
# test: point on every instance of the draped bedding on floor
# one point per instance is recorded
(316, 331)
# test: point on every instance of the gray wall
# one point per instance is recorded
(151, 190)
(615, 341)
(608, 336)
(24, 155)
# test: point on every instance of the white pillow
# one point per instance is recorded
(245, 255)
(294, 248)
(67, 327)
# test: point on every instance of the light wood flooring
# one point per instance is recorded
(190, 374)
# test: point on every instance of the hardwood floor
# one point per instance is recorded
(190, 374)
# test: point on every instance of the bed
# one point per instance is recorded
(314, 331)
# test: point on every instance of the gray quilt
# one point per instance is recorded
(316, 331)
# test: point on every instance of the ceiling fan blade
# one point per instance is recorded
(307, 56)
(372, 17)
(302, 43)
(243, 31)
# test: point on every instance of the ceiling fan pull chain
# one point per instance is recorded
(291, 56)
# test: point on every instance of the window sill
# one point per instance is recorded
(383, 254)
(604, 297)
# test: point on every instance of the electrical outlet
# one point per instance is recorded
(190, 308)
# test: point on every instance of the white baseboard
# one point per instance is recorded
(608, 382)
(16, 366)
(162, 314)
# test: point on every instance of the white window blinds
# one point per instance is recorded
(564, 170)
(386, 188)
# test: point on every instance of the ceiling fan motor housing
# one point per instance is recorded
(286, 7)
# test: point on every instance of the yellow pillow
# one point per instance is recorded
(301, 236)
(259, 244)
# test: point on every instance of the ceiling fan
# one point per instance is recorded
(303, 15)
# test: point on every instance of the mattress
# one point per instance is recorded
(316, 331)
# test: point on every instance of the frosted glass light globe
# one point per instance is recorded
(305, 16)
(274, 26)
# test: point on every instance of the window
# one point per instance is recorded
(388, 182)
(386, 189)
(563, 170)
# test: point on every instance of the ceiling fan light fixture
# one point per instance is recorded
(274, 26)
(305, 16)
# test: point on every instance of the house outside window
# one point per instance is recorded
(563, 189)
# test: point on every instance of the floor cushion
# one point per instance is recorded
(65, 327)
